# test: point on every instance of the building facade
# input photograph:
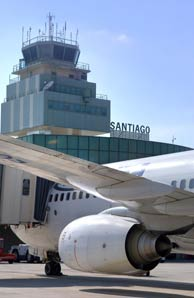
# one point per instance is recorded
(103, 149)
(51, 103)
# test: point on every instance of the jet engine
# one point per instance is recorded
(111, 244)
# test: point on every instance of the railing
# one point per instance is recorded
(22, 65)
(19, 66)
(102, 96)
(84, 66)
(44, 38)
(14, 80)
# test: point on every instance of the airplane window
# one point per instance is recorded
(81, 195)
(74, 195)
(26, 187)
(183, 184)
(174, 183)
(62, 197)
(191, 183)
(56, 197)
(87, 195)
(50, 198)
(94, 196)
(68, 196)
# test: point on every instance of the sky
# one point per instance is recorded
(140, 52)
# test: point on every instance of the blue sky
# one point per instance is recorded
(141, 54)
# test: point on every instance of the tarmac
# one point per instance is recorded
(28, 280)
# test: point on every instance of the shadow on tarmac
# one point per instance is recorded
(134, 293)
(103, 285)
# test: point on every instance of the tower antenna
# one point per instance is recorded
(51, 26)
(65, 30)
(45, 29)
(22, 35)
(76, 35)
(30, 29)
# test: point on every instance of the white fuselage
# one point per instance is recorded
(63, 207)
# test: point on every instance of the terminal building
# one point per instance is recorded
(51, 103)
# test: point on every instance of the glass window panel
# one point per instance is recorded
(132, 146)
(28, 139)
(83, 142)
(164, 148)
(61, 142)
(83, 154)
(170, 148)
(132, 156)
(149, 148)
(123, 145)
(113, 156)
(156, 148)
(123, 155)
(72, 152)
(104, 143)
(104, 157)
(65, 151)
(26, 187)
(114, 144)
(72, 142)
(51, 142)
(140, 146)
(93, 143)
(93, 156)
(177, 148)
(39, 140)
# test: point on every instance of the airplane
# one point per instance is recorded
(118, 218)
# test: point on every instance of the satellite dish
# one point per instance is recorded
(48, 85)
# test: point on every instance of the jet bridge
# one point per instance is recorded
(23, 197)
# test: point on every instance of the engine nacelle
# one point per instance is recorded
(110, 244)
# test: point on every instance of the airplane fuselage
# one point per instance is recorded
(66, 205)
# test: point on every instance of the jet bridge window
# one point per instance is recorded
(26, 187)
(191, 183)
(183, 184)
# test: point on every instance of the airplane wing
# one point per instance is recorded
(97, 179)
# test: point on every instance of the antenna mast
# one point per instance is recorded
(50, 17)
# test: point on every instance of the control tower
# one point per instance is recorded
(51, 94)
